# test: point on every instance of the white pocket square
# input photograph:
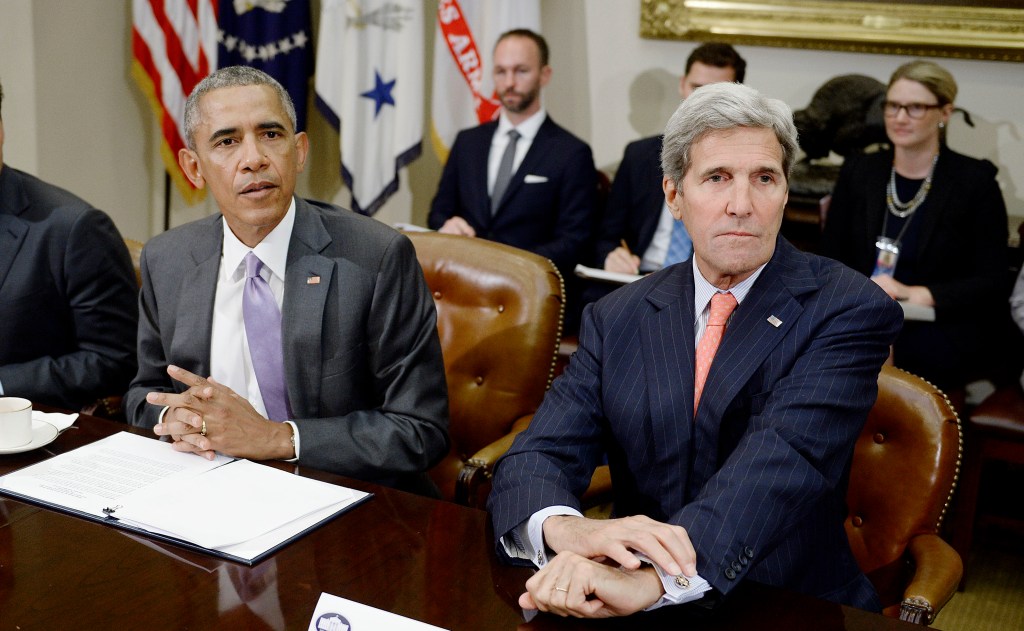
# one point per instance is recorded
(534, 179)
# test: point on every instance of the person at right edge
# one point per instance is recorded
(727, 391)
(929, 226)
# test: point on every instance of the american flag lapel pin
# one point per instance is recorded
(313, 280)
(775, 322)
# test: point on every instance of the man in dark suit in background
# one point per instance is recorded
(721, 471)
(543, 201)
(67, 295)
(314, 323)
(636, 211)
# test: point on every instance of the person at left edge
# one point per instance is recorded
(67, 295)
(364, 377)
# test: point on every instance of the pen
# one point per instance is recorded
(625, 247)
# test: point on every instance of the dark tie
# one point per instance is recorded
(722, 306)
(504, 170)
(263, 330)
(679, 246)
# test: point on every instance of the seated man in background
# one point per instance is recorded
(522, 179)
(68, 295)
(637, 214)
(314, 324)
(721, 471)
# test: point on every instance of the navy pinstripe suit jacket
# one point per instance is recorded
(759, 479)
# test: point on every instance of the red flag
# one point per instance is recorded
(174, 45)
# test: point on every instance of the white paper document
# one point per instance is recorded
(99, 474)
(235, 507)
(609, 277)
(913, 311)
(333, 613)
(410, 227)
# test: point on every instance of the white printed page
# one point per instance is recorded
(233, 504)
(100, 474)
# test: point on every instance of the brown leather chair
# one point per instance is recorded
(995, 432)
(904, 471)
(135, 250)
(499, 317)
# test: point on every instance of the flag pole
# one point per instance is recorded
(167, 201)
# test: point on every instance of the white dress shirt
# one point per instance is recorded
(230, 360)
(527, 132)
(654, 256)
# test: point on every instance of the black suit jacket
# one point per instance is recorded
(67, 296)
(961, 255)
(362, 358)
(758, 478)
(635, 202)
(548, 207)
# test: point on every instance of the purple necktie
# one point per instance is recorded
(263, 329)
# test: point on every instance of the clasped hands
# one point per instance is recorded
(232, 426)
(595, 573)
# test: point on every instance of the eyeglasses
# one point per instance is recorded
(914, 110)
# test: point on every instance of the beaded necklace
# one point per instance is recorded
(892, 200)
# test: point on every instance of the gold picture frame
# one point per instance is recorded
(971, 30)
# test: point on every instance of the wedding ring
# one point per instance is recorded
(561, 589)
(202, 432)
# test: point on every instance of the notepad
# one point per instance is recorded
(609, 277)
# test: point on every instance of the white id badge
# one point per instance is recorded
(888, 253)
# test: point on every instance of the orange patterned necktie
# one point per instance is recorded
(722, 306)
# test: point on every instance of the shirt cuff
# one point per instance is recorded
(678, 588)
(295, 441)
(526, 541)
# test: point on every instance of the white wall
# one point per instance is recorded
(74, 116)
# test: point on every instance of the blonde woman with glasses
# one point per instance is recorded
(929, 226)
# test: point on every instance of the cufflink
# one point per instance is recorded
(682, 582)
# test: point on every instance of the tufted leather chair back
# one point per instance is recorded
(904, 470)
(135, 251)
(499, 317)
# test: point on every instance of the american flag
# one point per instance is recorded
(174, 46)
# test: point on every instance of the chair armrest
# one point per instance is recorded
(110, 408)
(476, 472)
(937, 572)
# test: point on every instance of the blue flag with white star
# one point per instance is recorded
(369, 84)
(272, 35)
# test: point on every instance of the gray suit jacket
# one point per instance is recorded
(67, 296)
(362, 357)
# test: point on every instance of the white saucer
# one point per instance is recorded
(42, 434)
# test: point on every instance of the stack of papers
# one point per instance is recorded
(233, 508)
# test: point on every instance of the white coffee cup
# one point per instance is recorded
(15, 422)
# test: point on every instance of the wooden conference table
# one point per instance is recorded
(424, 559)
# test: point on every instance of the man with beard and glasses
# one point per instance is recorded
(521, 179)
